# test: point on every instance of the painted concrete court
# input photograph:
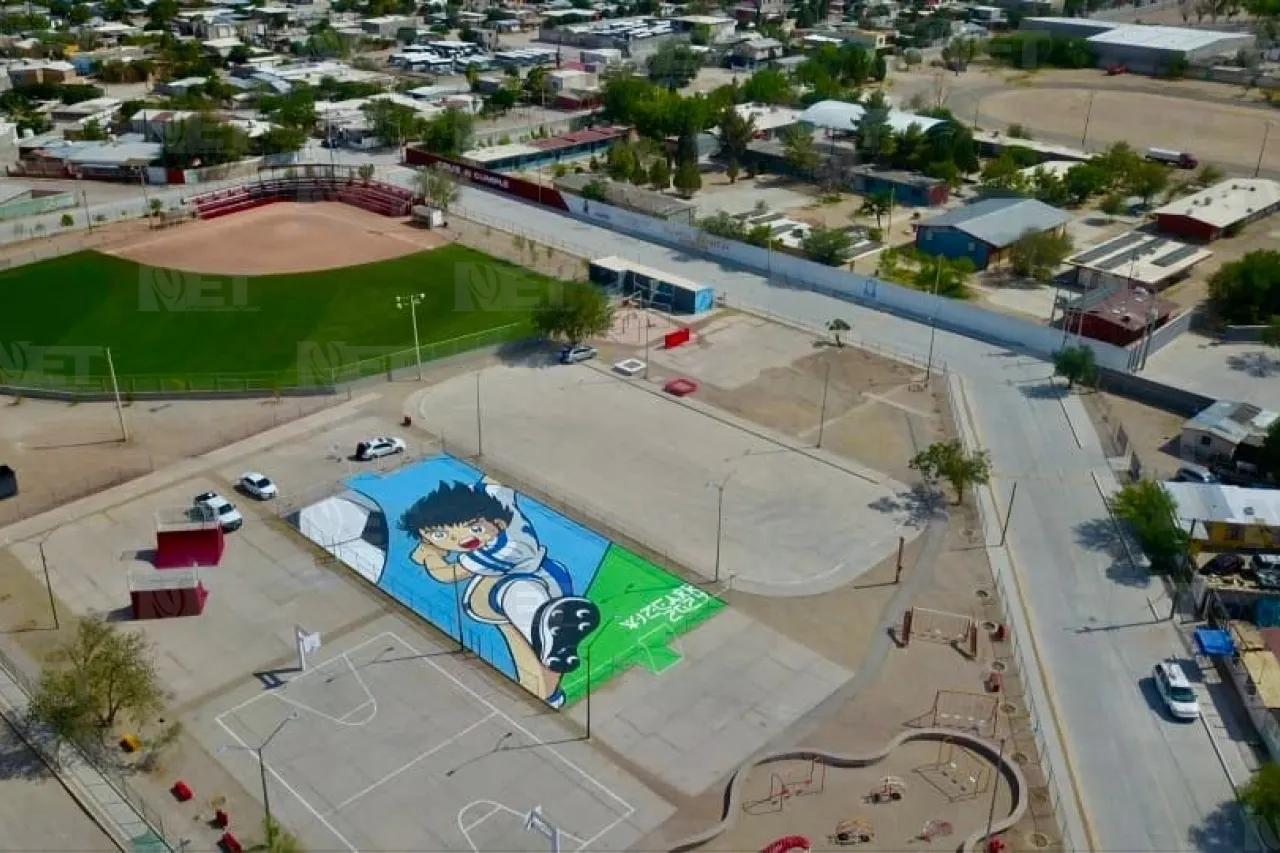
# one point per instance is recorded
(623, 455)
(392, 748)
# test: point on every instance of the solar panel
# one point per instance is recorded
(1106, 249)
(1177, 255)
(1120, 260)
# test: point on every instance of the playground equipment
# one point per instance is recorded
(958, 709)
(940, 626)
(889, 789)
(934, 829)
(783, 786)
(958, 774)
(849, 832)
(789, 844)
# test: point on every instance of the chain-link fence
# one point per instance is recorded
(57, 754)
(324, 373)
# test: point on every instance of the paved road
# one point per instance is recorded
(1147, 784)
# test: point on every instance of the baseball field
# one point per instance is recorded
(169, 329)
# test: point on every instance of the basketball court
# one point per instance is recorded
(383, 747)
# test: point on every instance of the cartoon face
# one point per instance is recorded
(469, 536)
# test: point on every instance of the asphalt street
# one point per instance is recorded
(1146, 783)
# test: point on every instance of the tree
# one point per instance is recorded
(501, 101)
(238, 55)
(836, 327)
(830, 246)
(202, 141)
(367, 171)
(621, 162)
(688, 177)
(1004, 174)
(673, 66)
(94, 132)
(947, 460)
(1271, 334)
(1152, 515)
(1146, 179)
(391, 122)
(1247, 291)
(449, 133)
(1084, 181)
(1037, 254)
(799, 150)
(877, 205)
(107, 673)
(732, 171)
(1076, 364)
(736, 133)
(768, 86)
(1269, 458)
(67, 220)
(439, 188)
(1261, 796)
(574, 311)
(280, 140)
(595, 190)
(660, 174)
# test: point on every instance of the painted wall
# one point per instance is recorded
(549, 603)
(36, 206)
(952, 243)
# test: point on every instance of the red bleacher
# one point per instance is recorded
(373, 196)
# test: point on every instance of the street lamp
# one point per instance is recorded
(719, 487)
(262, 769)
(412, 301)
(1087, 114)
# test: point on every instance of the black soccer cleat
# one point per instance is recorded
(559, 627)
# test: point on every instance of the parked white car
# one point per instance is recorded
(378, 447)
(1176, 691)
(224, 510)
(258, 485)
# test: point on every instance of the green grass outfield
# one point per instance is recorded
(170, 330)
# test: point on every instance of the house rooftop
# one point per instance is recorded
(999, 222)
(1147, 259)
(1213, 502)
(1224, 204)
(1233, 422)
(842, 115)
(1128, 308)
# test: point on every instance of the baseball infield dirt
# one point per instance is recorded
(286, 237)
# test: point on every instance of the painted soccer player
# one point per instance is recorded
(477, 534)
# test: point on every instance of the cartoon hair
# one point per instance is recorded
(452, 503)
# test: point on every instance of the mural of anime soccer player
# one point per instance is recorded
(478, 535)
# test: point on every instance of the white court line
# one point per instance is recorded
(424, 756)
(306, 805)
(467, 829)
(630, 810)
(340, 721)
(258, 696)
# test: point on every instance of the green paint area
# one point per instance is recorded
(149, 842)
(643, 611)
(176, 327)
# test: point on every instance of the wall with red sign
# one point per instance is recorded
(488, 179)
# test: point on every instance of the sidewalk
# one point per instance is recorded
(104, 803)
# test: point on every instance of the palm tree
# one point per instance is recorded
(877, 205)
(836, 327)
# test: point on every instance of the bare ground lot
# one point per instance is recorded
(284, 237)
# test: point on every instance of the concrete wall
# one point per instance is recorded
(954, 315)
(1171, 399)
(37, 206)
(1243, 334)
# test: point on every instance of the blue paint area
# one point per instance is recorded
(577, 549)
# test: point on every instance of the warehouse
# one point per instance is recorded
(1141, 48)
(1222, 208)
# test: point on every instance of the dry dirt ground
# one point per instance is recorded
(281, 238)
(64, 451)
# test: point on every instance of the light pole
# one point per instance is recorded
(995, 788)
(44, 564)
(1266, 132)
(1088, 112)
(412, 301)
(822, 413)
(262, 770)
(719, 487)
(933, 326)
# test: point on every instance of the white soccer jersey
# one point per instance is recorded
(516, 550)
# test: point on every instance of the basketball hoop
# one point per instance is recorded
(537, 822)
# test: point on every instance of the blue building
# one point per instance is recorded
(984, 231)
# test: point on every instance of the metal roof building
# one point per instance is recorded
(1143, 48)
(984, 231)
(1216, 432)
(1201, 503)
(841, 115)
(1206, 215)
(1136, 259)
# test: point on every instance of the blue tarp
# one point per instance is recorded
(1266, 614)
(1215, 642)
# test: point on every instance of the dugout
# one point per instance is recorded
(8, 482)
(651, 287)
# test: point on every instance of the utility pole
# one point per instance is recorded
(1088, 113)
(995, 789)
(115, 389)
(412, 301)
(48, 583)
(933, 325)
(479, 420)
(1266, 132)
(262, 772)
(1008, 513)
(822, 414)
(88, 217)
(719, 487)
